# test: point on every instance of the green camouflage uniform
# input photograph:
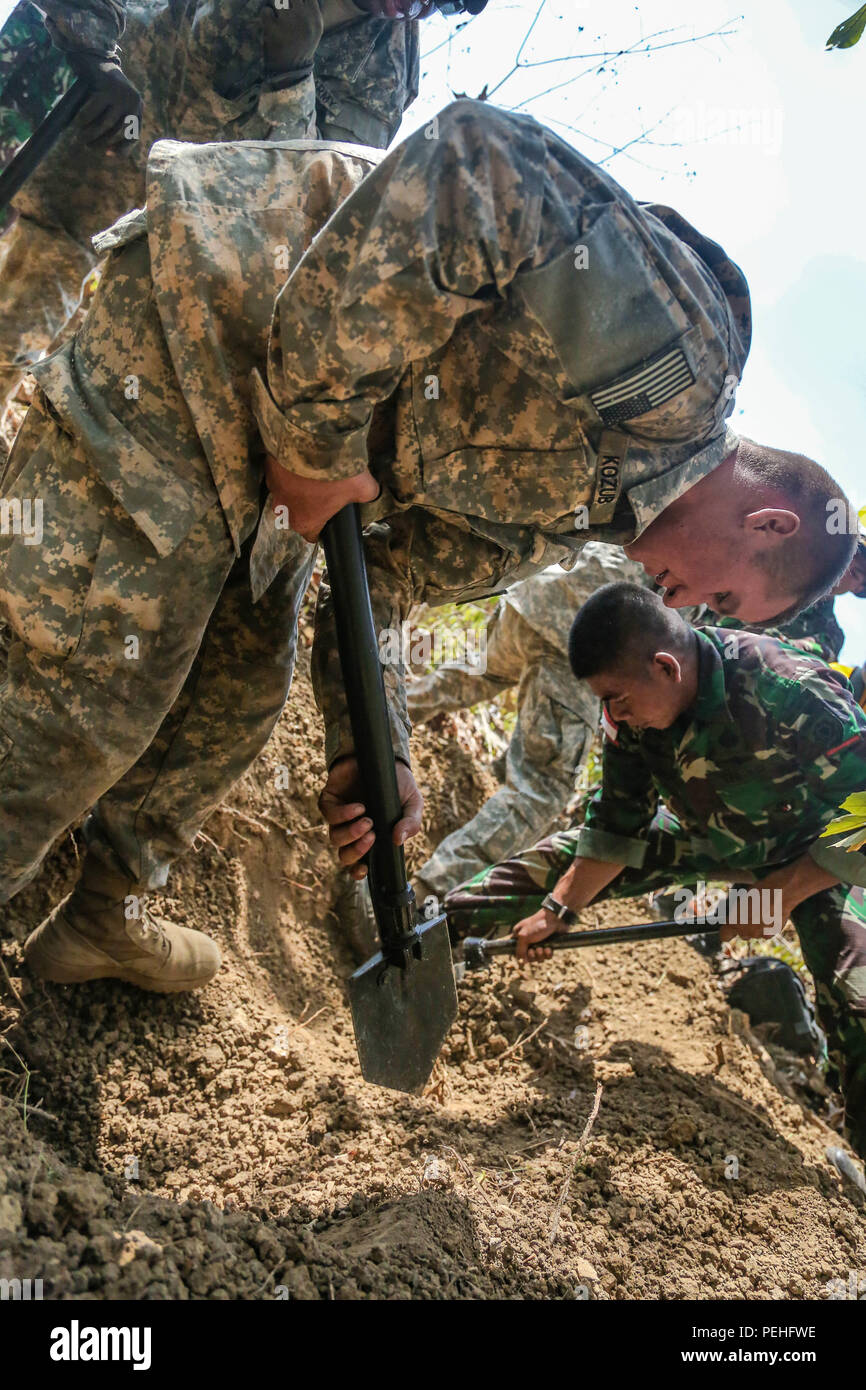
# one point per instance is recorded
(490, 321)
(33, 75)
(526, 646)
(743, 783)
(815, 630)
(145, 449)
(200, 69)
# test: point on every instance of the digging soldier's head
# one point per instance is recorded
(762, 537)
(636, 655)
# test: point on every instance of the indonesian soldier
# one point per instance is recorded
(438, 356)
(525, 646)
(726, 756)
(230, 70)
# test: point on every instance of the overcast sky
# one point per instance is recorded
(756, 136)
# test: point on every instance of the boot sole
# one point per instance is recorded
(57, 972)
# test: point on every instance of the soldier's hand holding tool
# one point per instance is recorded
(350, 829)
(312, 502)
(533, 930)
(112, 114)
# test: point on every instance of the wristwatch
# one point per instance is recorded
(565, 914)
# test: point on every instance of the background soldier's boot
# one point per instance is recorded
(90, 937)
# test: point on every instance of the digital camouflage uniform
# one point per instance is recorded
(154, 495)
(142, 671)
(527, 647)
(744, 782)
(199, 67)
(511, 405)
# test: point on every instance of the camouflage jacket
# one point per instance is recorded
(201, 72)
(815, 630)
(753, 772)
(489, 376)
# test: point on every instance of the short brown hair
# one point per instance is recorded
(809, 563)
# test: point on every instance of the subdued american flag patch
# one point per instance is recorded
(644, 387)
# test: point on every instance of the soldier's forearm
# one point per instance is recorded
(798, 881)
(583, 880)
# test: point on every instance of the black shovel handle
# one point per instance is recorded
(44, 137)
(393, 899)
(477, 950)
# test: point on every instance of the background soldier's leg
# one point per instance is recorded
(832, 931)
(539, 778)
(223, 718)
(460, 684)
(41, 271)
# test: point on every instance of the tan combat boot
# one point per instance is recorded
(90, 937)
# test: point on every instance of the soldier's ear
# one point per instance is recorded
(669, 666)
(776, 523)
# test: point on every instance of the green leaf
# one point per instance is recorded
(843, 823)
(850, 31)
(855, 803)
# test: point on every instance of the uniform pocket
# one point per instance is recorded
(603, 304)
(52, 526)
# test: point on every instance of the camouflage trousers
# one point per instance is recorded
(831, 927)
(142, 680)
(540, 762)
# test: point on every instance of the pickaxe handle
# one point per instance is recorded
(393, 898)
(46, 135)
(478, 951)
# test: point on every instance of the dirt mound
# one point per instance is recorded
(223, 1145)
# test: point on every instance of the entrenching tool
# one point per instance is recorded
(45, 136)
(478, 951)
(404, 998)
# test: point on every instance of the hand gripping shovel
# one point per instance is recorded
(478, 951)
(404, 998)
(45, 136)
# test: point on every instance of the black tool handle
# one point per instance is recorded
(393, 898)
(46, 134)
(477, 950)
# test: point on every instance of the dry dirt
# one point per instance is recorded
(223, 1145)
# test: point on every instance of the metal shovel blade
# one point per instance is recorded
(402, 1017)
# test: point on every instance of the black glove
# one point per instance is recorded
(291, 37)
(105, 116)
